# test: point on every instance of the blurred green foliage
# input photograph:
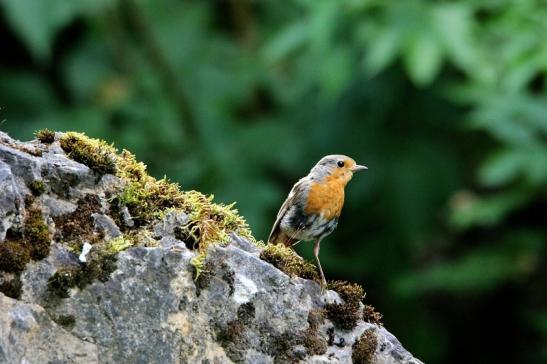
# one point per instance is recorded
(445, 101)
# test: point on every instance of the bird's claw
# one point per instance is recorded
(323, 286)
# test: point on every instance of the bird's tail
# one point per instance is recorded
(279, 237)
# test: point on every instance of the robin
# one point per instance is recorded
(312, 209)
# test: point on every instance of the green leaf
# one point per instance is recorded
(506, 165)
(322, 24)
(31, 20)
(37, 22)
(336, 71)
(480, 270)
(382, 49)
(422, 57)
(453, 23)
(501, 167)
(289, 39)
(468, 210)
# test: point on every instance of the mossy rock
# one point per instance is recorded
(36, 235)
(14, 256)
(12, 287)
(345, 315)
(148, 198)
(32, 242)
(96, 154)
(37, 187)
(100, 265)
(286, 260)
(365, 348)
(45, 136)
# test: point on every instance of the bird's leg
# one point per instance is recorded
(316, 253)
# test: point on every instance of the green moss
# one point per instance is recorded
(78, 224)
(314, 343)
(64, 279)
(94, 153)
(316, 317)
(345, 315)
(67, 321)
(118, 244)
(142, 237)
(365, 348)
(36, 235)
(99, 266)
(199, 267)
(45, 136)
(202, 273)
(144, 196)
(37, 187)
(12, 287)
(130, 169)
(148, 199)
(13, 256)
(31, 242)
(286, 260)
(371, 315)
(281, 347)
(349, 292)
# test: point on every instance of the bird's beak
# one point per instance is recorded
(358, 168)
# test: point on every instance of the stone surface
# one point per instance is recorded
(10, 199)
(105, 225)
(152, 309)
(28, 335)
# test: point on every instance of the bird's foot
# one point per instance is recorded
(323, 285)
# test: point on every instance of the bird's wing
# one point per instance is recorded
(296, 192)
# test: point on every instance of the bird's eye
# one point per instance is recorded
(340, 164)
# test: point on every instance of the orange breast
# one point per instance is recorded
(326, 198)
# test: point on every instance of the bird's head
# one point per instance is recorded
(336, 167)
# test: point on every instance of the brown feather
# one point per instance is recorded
(277, 235)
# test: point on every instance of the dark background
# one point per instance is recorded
(444, 101)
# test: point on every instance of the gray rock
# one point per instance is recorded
(22, 164)
(37, 274)
(62, 174)
(28, 335)
(106, 225)
(244, 244)
(53, 206)
(10, 200)
(172, 219)
(153, 308)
